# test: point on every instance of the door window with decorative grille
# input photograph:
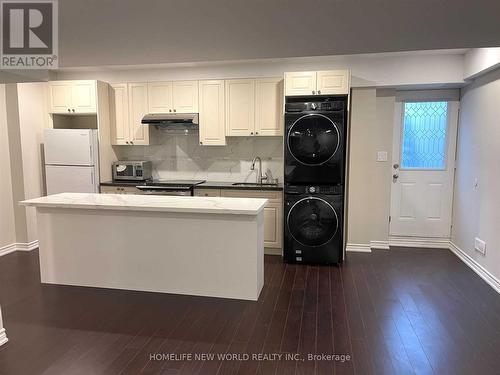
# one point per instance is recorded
(423, 144)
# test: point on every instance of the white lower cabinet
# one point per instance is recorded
(201, 192)
(273, 213)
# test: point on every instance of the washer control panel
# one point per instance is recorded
(313, 189)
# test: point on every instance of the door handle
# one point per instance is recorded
(396, 166)
(395, 176)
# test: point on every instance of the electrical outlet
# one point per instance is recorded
(480, 245)
(381, 155)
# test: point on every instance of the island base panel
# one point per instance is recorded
(216, 255)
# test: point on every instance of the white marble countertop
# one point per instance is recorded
(130, 202)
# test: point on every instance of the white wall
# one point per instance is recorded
(476, 211)
(381, 70)
(7, 222)
(369, 181)
(480, 60)
(32, 116)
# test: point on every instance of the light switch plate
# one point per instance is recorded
(381, 155)
(480, 245)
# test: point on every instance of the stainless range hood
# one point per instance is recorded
(187, 121)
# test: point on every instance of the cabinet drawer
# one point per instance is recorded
(273, 196)
(207, 192)
(119, 190)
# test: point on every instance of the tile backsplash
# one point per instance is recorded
(181, 157)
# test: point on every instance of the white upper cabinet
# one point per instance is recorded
(169, 97)
(160, 97)
(119, 114)
(185, 96)
(327, 82)
(240, 107)
(332, 82)
(138, 107)
(269, 106)
(72, 97)
(254, 107)
(212, 113)
(129, 104)
(300, 83)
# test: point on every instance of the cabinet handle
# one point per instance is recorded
(256, 133)
(201, 143)
(73, 110)
(314, 92)
(251, 133)
(170, 110)
(126, 142)
(131, 142)
(319, 92)
(175, 110)
(69, 110)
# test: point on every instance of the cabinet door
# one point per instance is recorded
(60, 97)
(240, 107)
(273, 213)
(138, 107)
(212, 117)
(185, 96)
(83, 97)
(300, 83)
(333, 82)
(119, 114)
(273, 225)
(269, 106)
(160, 97)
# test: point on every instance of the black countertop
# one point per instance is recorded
(229, 185)
(205, 185)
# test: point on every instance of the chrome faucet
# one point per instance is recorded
(260, 178)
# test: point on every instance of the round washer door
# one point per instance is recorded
(313, 139)
(312, 221)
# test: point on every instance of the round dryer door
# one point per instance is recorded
(313, 139)
(312, 221)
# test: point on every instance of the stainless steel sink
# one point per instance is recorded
(252, 184)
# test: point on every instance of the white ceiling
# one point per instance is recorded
(131, 32)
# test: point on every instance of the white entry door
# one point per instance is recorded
(423, 167)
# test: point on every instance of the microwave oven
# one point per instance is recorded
(132, 170)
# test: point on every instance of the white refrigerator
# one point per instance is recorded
(71, 161)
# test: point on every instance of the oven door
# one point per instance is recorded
(163, 190)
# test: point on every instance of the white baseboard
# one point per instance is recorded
(476, 267)
(439, 243)
(26, 246)
(7, 249)
(358, 248)
(18, 246)
(3, 337)
(273, 251)
(383, 245)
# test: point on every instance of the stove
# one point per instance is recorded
(169, 187)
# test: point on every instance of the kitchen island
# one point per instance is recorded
(205, 246)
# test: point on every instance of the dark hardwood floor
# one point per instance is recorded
(404, 311)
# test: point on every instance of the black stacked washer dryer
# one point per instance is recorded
(315, 167)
